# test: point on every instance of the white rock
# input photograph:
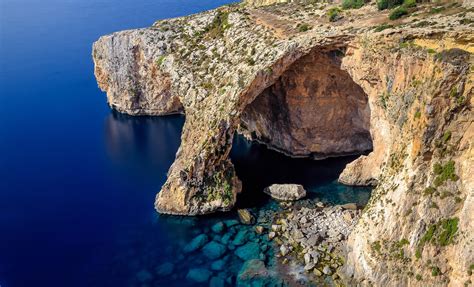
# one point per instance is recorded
(286, 192)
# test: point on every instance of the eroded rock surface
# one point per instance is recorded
(286, 192)
(297, 114)
(417, 77)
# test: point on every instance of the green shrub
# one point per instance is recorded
(382, 27)
(333, 14)
(450, 227)
(304, 27)
(398, 13)
(418, 114)
(388, 4)
(435, 271)
(352, 4)
(418, 277)
(160, 60)
(409, 3)
(444, 173)
(376, 246)
(436, 10)
(446, 136)
(219, 24)
(441, 233)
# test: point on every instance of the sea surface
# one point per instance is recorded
(78, 181)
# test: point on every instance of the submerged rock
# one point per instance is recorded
(245, 216)
(255, 273)
(144, 276)
(164, 269)
(286, 192)
(218, 227)
(196, 243)
(216, 282)
(199, 275)
(231, 222)
(218, 265)
(240, 238)
(213, 250)
(248, 251)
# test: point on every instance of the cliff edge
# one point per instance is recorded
(313, 80)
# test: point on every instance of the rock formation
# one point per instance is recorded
(289, 77)
(285, 192)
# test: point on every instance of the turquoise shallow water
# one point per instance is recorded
(78, 181)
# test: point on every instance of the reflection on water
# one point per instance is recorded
(147, 141)
(146, 145)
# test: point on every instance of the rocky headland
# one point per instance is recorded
(311, 79)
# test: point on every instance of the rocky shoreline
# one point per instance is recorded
(314, 235)
(298, 243)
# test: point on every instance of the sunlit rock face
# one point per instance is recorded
(410, 85)
(314, 109)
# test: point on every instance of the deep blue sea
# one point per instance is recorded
(78, 181)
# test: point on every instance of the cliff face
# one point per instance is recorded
(326, 89)
(296, 115)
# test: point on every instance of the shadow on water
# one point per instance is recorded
(258, 167)
(146, 144)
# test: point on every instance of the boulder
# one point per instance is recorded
(195, 244)
(252, 271)
(231, 222)
(144, 276)
(199, 275)
(240, 238)
(327, 270)
(164, 269)
(286, 192)
(245, 216)
(248, 251)
(213, 250)
(350, 206)
(218, 265)
(271, 235)
(216, 282)
(218, 227)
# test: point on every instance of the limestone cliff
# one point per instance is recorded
(287, 76)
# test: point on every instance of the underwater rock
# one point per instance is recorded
(231, 222)
(196, 243)
(248, 251)
(240, 238)
(213, 250)
(199, 275)
(144, 276)
(246, 217)
(218, 265)
(285, 192)
(164, 269)
(218, 227)
(216, 282)
(253, 273)
(226, 238)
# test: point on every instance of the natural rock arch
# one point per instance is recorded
(314, 109)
